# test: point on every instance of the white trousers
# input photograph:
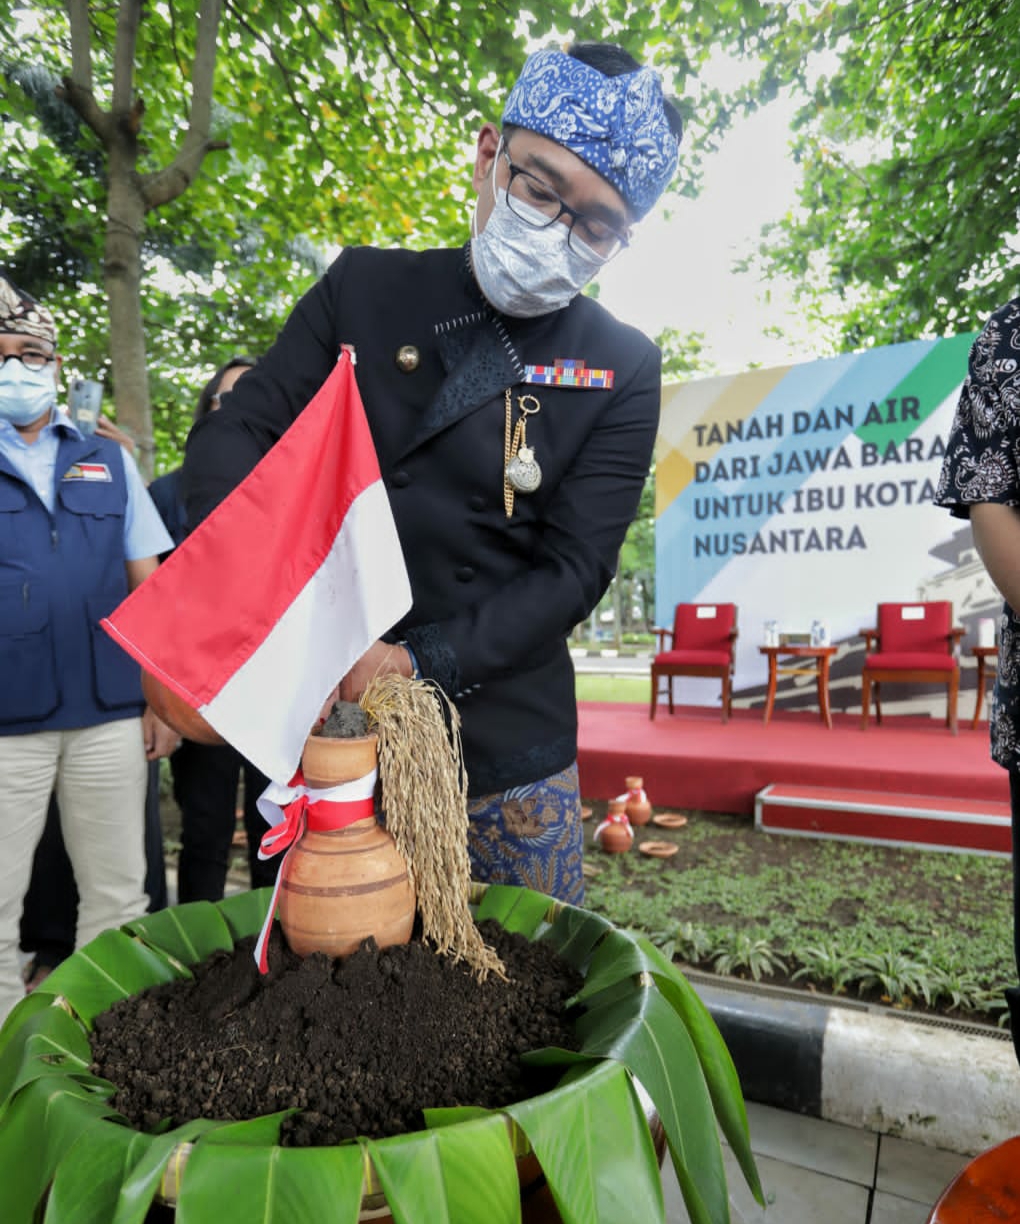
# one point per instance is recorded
(99, 775)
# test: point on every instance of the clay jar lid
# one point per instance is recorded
(327, 762)
(669, 820)
(658, 849)
(176, 712)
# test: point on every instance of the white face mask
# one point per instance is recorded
(25, 395)
(525, 271)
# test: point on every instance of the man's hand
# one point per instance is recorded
(327, 707)
(160, 740)
(106, 429)
(380, 659)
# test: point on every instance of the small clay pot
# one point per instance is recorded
(339, 886)
(329, 762)
(176, 712)
(614, 834)
(639, 810)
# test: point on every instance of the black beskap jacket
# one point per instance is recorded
(494, 598)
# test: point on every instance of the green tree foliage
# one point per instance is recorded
(174, 171)
(909, 137)
(199, 159)
(634, 584)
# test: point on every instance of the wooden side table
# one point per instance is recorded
(817, 664)
(983, 654)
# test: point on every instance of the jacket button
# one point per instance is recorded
(477, 502)
(400, 480)
(407, 358)
(464, 573)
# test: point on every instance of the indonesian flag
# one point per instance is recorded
(269, 602)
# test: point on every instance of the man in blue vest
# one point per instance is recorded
(77, 532)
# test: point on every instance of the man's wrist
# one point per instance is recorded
(415, 668)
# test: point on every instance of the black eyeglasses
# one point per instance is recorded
(31, 361)
(539, 206)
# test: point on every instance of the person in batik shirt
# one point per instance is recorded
(980, 480)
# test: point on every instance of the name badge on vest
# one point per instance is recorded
(88, 471)
(564, 373)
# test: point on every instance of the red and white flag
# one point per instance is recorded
(271, 600)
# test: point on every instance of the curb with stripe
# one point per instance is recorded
(949, 1086)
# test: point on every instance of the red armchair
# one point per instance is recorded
(702, 643)
(913, 642)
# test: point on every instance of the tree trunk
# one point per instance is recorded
(121, 272)
(129, 196)
(122, 278)
(617, 613)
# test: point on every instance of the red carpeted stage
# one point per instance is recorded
(691, 759)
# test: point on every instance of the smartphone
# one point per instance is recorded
(83, 403)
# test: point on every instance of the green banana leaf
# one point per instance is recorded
(28, 1006)
(174, 933)
(621, 957)
(595, 1149)
(643, 1032)
(575, 933)
(90, 1175)
(244, 912)
(464, 1174)
(515, 909)
(450, 1115)
(271, 1183)
(159, 1161)
(44, 1040)
(62, 1144)
(255, 1132)
(41, 1124)
(112, 967)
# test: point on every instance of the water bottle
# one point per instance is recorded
(771, 633)
(819, 633)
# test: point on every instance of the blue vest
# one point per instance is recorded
(59, 574)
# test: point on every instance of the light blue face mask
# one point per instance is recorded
(25, 395)
(527, 270)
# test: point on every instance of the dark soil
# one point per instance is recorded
(359, 1046)
(346, 720)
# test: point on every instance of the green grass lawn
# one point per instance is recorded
(913, 929)
(613, 688)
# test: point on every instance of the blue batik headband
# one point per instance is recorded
(617, 125)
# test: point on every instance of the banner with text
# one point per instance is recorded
(807, 492)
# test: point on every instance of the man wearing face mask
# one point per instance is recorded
(514, 421)
(77, 532)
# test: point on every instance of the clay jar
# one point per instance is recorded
(339, 886)
(614, 834)
(176, 712)
(639, 810)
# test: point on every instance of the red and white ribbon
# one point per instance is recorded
(289, 810)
